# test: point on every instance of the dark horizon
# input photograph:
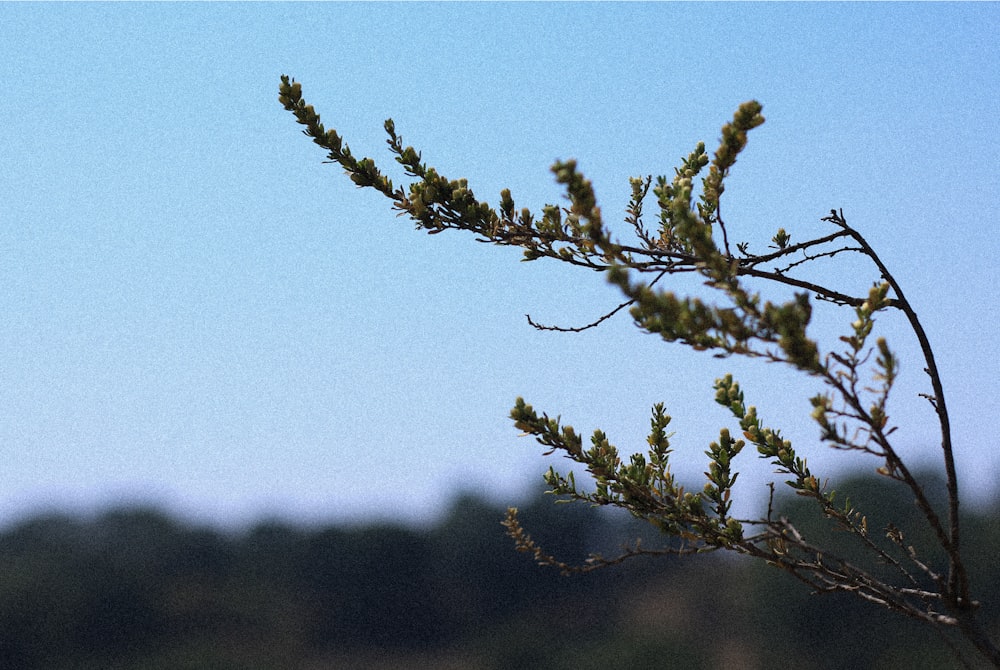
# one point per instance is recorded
(134, 590)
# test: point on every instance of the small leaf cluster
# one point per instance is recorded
(860, 404)
(739, 329)
(437, 203)
(643, 484)
(362, 172)
(769, 442)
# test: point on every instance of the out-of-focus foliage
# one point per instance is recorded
(137, 590)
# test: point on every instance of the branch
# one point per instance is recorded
(580, 329)
(524, 543)
(958, 579)
(781, 253)
(599, 321)
(820, 291)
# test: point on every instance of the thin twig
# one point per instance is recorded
(579, 329)
(599, 321)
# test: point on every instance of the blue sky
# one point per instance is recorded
(198, 312)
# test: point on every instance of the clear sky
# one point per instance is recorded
(196, 311)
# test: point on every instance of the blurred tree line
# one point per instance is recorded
(135, 589)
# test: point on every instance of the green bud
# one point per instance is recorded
(781, 238)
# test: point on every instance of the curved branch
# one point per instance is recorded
(957, 579)
(579, 329)
(592, 324)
